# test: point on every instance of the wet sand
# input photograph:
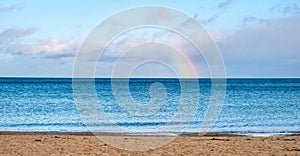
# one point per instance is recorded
(21, 143)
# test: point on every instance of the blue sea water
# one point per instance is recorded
(252, 106)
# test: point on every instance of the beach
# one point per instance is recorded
(24, 143)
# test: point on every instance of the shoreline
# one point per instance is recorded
(32, 143)
(115, 134)
(142, 134)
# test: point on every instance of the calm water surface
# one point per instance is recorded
(252, 106)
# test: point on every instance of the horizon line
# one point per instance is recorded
(67, 77)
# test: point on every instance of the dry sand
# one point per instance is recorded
(87, 144)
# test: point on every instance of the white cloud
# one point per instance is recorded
(14, 41)
(51, 47)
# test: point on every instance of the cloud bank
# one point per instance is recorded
(264, 49)
(13, 42)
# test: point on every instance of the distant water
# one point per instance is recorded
(252, 106)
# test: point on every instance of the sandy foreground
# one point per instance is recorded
(87, 144)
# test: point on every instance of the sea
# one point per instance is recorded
(253, 107)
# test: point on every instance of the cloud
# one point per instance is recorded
(287, 8)
(267, 48)
(13, 41)
(281, 35)
(264, 50)
(224, 4)
(10, 8)
(51, 48)
(213, 18)
(291, 9)
(252, 19)
(119, 47)
(12, 34)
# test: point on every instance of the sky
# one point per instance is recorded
(257, 39)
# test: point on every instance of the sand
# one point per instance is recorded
(87, 144)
